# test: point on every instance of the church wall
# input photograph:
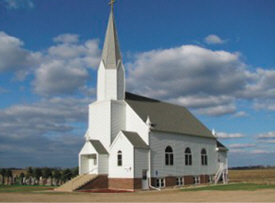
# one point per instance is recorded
(111, 84)
(159, 141)
(101, 82)
(140, 162)
(135, 124)
(100, 122)
(118, 122)
(103, 164)
(222, 157)
(126, 170)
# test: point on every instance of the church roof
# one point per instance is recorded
(166, 117)
(111, 53)
(221, 146)
(135, 139)
(98, 147)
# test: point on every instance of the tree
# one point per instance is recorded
(3, 173)
(29, 172)
(66, 174)
(8, 174)
(75, 172)
(37, 173)
(56, 174)
(46, 173)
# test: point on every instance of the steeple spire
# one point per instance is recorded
(111, 52)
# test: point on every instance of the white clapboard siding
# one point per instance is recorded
(121, 82)
(126, 170)
(103, 164)
(101, 82)
(159, 141)
(111, 84)
(141, 161)
(222, 157)
(100, 122)
(135, 124)
(118, 116)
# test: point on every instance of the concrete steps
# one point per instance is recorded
(76, 183)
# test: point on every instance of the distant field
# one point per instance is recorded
(24, 188)
(259, 176)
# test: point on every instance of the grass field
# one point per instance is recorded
(24, 188)
(259, 176)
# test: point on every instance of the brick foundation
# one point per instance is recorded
(103, 182)
(100, 182)
(125, 183)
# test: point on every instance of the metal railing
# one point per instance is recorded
(81, 176)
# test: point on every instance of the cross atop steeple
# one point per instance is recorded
(112, 4)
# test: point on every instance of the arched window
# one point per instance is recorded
(188, 157)
(169, 157)
(119, 158)
(203, 157)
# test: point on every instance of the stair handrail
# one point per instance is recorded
(82, 176)
(218, 174)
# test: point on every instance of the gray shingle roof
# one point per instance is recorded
(98, 147)
(221, 146)
(167, 117)
(135, 139)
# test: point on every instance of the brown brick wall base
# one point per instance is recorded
(100, 182)
(125, 183)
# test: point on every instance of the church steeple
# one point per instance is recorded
(110, 75)
(111, 52)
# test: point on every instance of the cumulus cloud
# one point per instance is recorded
(17, 4)
(66, 65)
(214, 39)
(223, 135)
(66, 38)
(59, 77)
(186, 73)
(13, 57)
(52, 129)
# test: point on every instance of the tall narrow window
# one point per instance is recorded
(188, 157)
(169, 157)
(119, 158)
(203, 157)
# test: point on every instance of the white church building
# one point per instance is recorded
(134, 142)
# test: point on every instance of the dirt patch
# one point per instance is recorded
(146, 196)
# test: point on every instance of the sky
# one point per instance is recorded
(214, 57)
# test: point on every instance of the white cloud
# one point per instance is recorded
(16, 4)
(268, 135)
(59, 77)
(65, 69)
(214, 39)
(266, 141)
(237, 146)
(260, 151)
(240, 114)
(223, 135)
(67, 38)
(218, 110)
(13, 57)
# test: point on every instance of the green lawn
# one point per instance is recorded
(237, 186)
(24, 188)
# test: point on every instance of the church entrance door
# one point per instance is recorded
(145, 185)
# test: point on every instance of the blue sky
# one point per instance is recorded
(214, 57)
